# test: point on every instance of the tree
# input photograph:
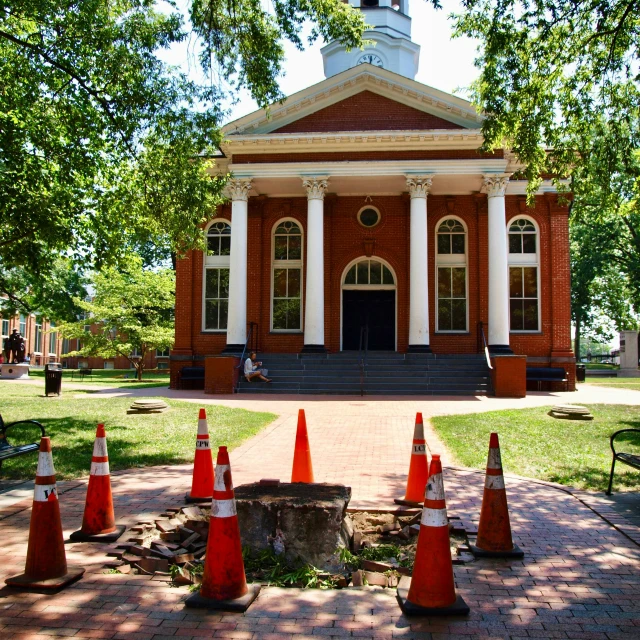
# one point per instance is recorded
(105, 148)
(51, 296)
(558, 79)
(131, 311)
(605, 247)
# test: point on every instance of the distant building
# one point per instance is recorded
(42, 347)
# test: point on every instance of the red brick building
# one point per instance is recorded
(363, 201)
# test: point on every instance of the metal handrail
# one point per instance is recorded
(364, 341)
(484, 342)
(244, 350)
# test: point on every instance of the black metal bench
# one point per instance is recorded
(547, 374)
(191, 375)
(11, 451)
(82, 372)
(626, 458)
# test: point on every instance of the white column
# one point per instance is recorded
(495, 186)
(238, 191)
(419, 187)
(314, 281)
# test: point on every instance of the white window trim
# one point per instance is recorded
(287, 264)
(369, 287)
(452, 260)
(525, 260)
(369, 206)
(219, 262)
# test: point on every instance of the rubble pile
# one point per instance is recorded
(178, 538)
(381, 548)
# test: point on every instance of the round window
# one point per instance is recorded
(369, 217)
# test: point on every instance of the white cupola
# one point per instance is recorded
(390, 33)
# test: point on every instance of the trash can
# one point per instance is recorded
(52, 378)
(581, 372)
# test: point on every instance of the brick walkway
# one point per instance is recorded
(580, 577)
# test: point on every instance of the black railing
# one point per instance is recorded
(362, 354)
(251, 336)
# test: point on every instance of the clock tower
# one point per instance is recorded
(390, 33)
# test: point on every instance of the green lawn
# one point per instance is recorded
(599, 365)
(133, 440)
(616, 383)
(533, 444)
(108, 377)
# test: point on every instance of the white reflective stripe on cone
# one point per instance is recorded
(494, 461)
(100, 448)
(434, 518)
(435, 488)
(202, 444)
(203, 428)
(494, 482)
(223, 508)
(99, 469)
(218, 483)
(45, 464)
(419, 448)
(418, 431)
(43, 492)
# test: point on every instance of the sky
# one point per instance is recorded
(445, 64)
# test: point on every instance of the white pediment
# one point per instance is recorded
(364, 77)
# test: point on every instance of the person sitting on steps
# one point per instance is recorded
(251, 370)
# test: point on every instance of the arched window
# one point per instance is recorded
(524, 275)
(369, 273)
(451, 276)
(286, 300)
(215, 301)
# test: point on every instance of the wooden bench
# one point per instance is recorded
(547, 374)
(11, 451)
(626, 458)
(191, 375)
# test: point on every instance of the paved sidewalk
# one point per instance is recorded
(384, 406)
(580, 577)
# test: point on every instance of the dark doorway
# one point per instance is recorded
(377, 309)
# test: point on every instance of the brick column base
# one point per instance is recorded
(509, 376)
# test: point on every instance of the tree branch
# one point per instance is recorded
(102, 101)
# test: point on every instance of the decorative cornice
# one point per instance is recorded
(419, 186)
(238, 189)
(419, 139)
(315, 187)
(495, 185)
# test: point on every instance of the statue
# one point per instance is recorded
(6, 350)
(16, 347)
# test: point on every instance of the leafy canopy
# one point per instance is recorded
(132, 310)
(552, 72)
(105, 148)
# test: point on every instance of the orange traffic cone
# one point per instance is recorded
(99, 522)
(418, 469)
(431, 590)
(494, 531)
(224, 584)
(202, 483)
(302, 467)
(46, 566)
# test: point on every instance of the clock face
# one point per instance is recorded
(371, 58)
